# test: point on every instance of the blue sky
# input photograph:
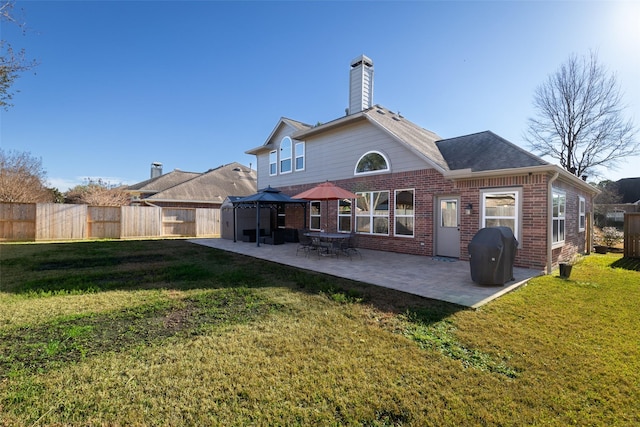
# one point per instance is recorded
(193, 85)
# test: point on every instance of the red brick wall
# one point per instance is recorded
(429, 184)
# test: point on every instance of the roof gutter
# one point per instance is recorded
(555, 170)
(550, 215)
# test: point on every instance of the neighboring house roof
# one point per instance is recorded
(212, 186)
(629, 189)
(163, 182)
(485, 151)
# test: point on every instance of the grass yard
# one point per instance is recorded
(171, 333)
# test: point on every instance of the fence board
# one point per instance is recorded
(55, 221)
(632, 234)
(49, 221)
(207, 222)
(141, 221)
(178, 222)
(17, 222)
(104, 222)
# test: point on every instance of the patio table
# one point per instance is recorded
(329, 242)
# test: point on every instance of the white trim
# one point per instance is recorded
(386, 160)
(282, 159)
(298, 156)
(275, 154)
(562, 216)
(582, 214)
(517, 191)
(396, 215)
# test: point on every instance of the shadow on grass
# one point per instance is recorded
(89, 267)
(627, 264)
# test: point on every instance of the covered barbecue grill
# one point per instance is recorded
(492, 252)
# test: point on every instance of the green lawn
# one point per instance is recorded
(171, 333)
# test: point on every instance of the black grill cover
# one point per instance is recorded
(492, 252)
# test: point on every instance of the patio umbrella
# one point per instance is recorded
(326, 191)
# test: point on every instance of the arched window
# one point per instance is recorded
(371, 162)
(285, 155)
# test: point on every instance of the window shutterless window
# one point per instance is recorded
(299, 156)
(314, 215)
(404, 212)
(372, 162)
(582, 214)
(273, 162)
(372, 213)
(559, 216)
(285, 155)
(501, 208)
(344, 215)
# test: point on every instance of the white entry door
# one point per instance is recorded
(447, 228)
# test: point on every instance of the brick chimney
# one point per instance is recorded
(360, 84)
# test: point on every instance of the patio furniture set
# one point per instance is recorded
(328, 244)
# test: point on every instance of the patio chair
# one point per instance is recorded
(305, 243)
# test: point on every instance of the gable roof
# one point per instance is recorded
(484, 151)
(212, 186)
(163, 182)
(629, 189)
(294, 124)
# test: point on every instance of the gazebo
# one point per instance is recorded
(268, 197)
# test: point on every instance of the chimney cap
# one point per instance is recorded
(362, 59)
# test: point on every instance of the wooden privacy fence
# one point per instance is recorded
(53, 221)
(632, 234)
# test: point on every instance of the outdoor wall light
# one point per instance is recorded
(468, 209)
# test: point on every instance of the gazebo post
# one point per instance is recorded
(258, 224)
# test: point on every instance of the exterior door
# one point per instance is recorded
(447, 228)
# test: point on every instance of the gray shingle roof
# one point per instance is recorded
(416, 137)
(213, 186)
(485, 151)
(163, 182)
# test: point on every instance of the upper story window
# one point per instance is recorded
(285, 155)
(559, 216)
(582, 209)
(299, 156)
(372, 162)
(273, 163)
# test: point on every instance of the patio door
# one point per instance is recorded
(447, 228)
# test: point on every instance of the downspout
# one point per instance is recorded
(550, 215)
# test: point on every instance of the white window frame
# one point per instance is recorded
(397, 215)
(517, 192)
(286, 144)
(582, 214)
(386, 160)
(273, 163)
(317, 215)
(345, 215)
(559, 219)
(371, 214)
(299, 155)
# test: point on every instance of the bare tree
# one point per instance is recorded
(22, 178)
(579, 118)
(97, 192)
(12, 62)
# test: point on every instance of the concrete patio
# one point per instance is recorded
(430, 277)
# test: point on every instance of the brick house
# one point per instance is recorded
(421, 194)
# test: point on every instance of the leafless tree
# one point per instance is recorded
(12, 62)
(22, 178)
(579, 118)
(97, 192)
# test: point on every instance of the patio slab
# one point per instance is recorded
(430, 277)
